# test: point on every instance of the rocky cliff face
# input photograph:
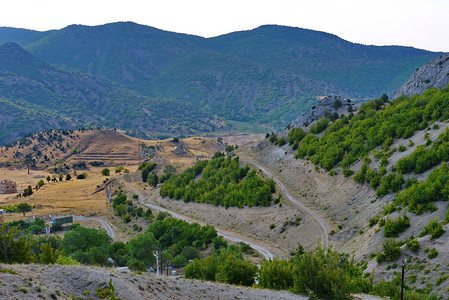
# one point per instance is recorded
(434, 74)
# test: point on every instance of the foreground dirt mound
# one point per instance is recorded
(68, 282)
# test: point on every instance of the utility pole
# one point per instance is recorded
(402, 284)
(157, 262)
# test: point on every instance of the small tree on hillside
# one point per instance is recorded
(24, 208)
(153, 179)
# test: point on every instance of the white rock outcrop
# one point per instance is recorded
(435, 74)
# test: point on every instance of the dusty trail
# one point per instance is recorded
(225, 234)
(103, 223)
(324, 227)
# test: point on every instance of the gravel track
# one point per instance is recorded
(225, 234)
(318, 220)
(103, 223)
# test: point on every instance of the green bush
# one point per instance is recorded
(295, 136)
(319, 126)
(145, 169)
(329, 275)
(391, 249)
(394, 226)
(227, 267)
(433, 228)
(282, 141)
(413, 244)
(276, 274)
(432, 253)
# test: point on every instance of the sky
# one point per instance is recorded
(418, 23)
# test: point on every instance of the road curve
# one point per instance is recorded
(103, 223)
(318, 220)
(227, 235)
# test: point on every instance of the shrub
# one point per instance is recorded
(391, 248)
(319, 126)
(388, 209)
(373, 221)
(392, 227)
(105, 172)
(282, 141)
(413, 245)
(433, 228)
(227, 267)
(328, 274)
(82, 176)
(272, 226)
(380, 257)
(120, 168)
(276, 274)
(432, 253)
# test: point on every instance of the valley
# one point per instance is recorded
(149, 151)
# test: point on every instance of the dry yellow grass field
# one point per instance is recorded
(87, 196)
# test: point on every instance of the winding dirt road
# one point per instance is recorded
(225, 234)
(324, 227)
(103, 223)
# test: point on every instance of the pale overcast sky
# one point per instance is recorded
(418, 23)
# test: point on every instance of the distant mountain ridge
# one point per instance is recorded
(37, 96)
(270, 74)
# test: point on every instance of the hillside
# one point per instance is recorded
(379, 176)
(269, 74)
(433, 75)
(35, 96)
(35, 282)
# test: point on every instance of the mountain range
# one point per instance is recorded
(149, 81)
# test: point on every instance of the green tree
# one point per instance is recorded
(28, 191)
(40, 183)
(105, 172)
(153, 179)
(24, 208)
(276, 274)
(79, 241)
(232, 269)
(48, 255)
(15, 247)
(141, 248)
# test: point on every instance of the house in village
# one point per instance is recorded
(8, 187)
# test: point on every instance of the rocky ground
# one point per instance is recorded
(78, 282)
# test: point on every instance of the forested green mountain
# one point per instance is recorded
(367, 70)
(20, 36)
(36, 96)
(270, 74)
(265, 74)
